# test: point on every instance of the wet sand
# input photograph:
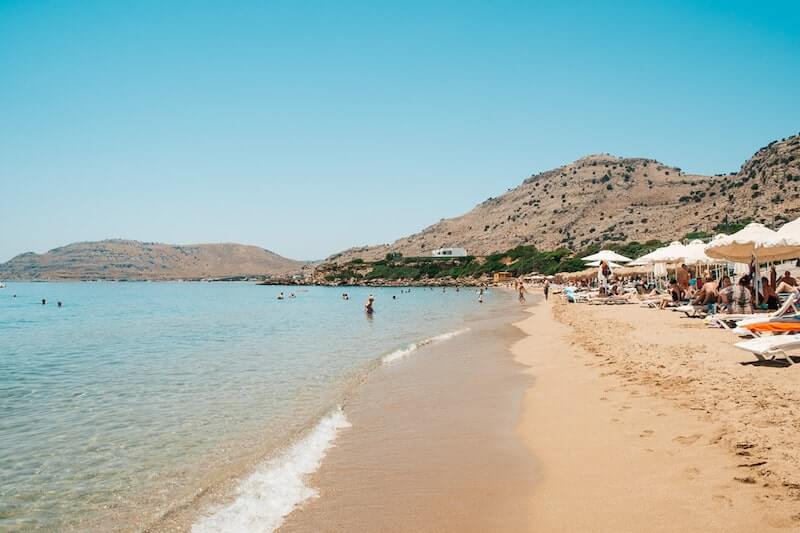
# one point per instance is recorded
(643, 421)
(433, 445)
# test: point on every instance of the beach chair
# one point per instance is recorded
(729, 321)
(779, 325)
(765, 348)
(692, 310)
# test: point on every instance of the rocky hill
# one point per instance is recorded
(134, 260)
(601, 198)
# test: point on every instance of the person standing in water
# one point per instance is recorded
(368, 306)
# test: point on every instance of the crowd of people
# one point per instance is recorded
(722, 295)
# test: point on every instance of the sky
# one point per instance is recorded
(308, 127)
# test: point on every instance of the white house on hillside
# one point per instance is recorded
(449, 252)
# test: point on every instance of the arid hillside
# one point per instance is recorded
(134, 260)
(602, 198)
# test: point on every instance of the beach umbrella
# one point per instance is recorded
(640, 262)
(695, 254)
(786, 242)
(749, 244)
(611, 264)
(606, 255)
(672, 253)
(740, 247)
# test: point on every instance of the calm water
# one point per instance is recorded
(133, 395)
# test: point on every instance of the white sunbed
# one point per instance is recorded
(765, 348)
(724, 320)
(691, 310)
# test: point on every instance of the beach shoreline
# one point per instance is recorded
(432, 445)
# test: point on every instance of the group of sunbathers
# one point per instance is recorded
(724, 296)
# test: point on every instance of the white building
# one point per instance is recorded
(449, 252)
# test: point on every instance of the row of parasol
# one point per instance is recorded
(753, 243)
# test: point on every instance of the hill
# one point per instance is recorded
(606, 199)
(134, 260)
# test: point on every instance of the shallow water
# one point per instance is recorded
(132, 396)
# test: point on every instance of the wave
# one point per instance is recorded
(268, 495)
(414, 346)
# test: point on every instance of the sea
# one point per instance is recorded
(133, 399)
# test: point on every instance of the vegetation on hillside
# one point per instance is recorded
(519, 261)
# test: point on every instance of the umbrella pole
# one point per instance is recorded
(758, 277)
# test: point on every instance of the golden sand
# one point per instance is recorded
(432, 445)
(646, 421)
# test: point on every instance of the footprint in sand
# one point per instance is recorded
(624, 407)
(691, 472)
(647, 433)
(615, 419)
(687, 440)
(721, 498)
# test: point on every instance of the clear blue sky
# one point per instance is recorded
(308, 127)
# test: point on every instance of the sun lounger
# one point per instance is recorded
(769, 347)
(729, 321)
(780, 325)
(692, 310)
(610, 300)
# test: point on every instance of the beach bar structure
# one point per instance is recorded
(499, 277)
(449, 252)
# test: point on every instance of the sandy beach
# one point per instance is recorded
(629, 419)
(433, 443)
(642, 420)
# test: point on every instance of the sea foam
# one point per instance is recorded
(414, 346)
(268, 495)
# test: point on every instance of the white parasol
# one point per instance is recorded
(606, 255)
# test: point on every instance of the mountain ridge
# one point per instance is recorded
(603, 198)
(113, 259)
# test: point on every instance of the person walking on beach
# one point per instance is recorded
(682, 276)
(521, 290)
(546, 289)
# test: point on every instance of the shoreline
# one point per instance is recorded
(229, 499)
(409, 461)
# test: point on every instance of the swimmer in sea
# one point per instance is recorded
(280, 296)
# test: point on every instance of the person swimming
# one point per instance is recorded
(368, 307)
(44, 301)
(280, 296)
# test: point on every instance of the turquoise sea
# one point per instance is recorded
(132, 397)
